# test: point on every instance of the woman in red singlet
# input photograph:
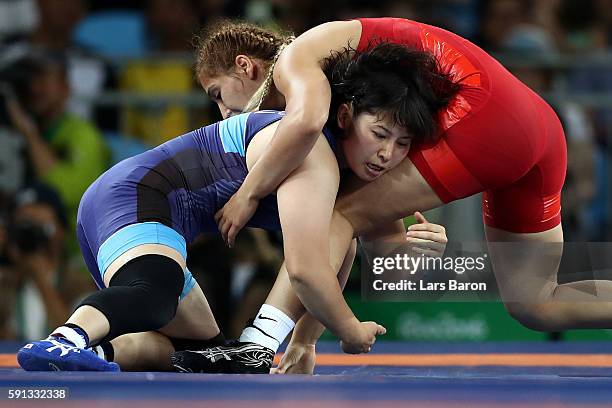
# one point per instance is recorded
(497, 137)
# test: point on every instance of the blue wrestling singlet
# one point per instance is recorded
(170, 194)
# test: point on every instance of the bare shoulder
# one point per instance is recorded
(321, 156)
(259, 143)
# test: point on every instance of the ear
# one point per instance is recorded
(245, 66)
(344, 115)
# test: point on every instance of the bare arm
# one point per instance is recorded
(306, 200)
(42, 156)
(308, 330)
(299, 77)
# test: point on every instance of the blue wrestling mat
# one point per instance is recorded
(394, 375)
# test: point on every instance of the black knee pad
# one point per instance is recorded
(143, 295)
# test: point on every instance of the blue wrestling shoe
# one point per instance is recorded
(58, 354)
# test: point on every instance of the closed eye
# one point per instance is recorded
(404, 143)
(379, 136)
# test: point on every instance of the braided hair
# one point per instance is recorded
(219, 43)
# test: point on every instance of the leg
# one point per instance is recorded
(147, 351)
(193, 319)
(94, 322)
(259, 341)
(148, 287)
(299, 357)
(151, 350)
(528, 284)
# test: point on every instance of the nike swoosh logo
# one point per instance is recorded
(266, 318)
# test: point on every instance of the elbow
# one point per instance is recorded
(298, 271)
(309, 123)
(308, 117)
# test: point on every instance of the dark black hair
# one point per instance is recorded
(407, 83)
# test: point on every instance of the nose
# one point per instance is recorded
(224, 110)
(386, 151)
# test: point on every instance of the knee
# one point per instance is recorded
(162, 308)
(544, 317)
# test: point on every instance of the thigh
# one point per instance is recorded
(532, 203)
(194, 318)
(145, 351)
(134, 240)
(525, 265)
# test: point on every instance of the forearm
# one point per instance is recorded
(322, 297)
(308, 330)
(42, 156)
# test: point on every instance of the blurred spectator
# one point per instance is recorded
(17, 18)
(38, 290)
(504, 20)
(65, 151)
(458, 16)
(87, 74)
(587, 24)
(57, 21)
(588, 31)
(171, 24)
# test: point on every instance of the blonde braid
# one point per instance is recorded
(263, 90)
(220, 42)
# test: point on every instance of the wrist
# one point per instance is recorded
(348, 329)
(250, 192)
(306, 345)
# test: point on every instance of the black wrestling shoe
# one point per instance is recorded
(234, 358)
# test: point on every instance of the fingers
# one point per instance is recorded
(424, 236)
(221, 224)
(231, 235)
(380, 330)
(227, 229)
(428, 252)
(219, 215)
(223, 229)
(427, 227)
(420, 218)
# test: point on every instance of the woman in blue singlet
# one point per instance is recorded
(135, 221)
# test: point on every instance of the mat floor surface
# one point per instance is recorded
(394, 375)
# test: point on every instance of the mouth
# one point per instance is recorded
(374, 170)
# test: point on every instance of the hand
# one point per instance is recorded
(20, 119)
(234, 215)
(363, 338)
(297, 359)
(428, 238)
(40, 266)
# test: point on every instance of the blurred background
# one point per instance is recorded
(86, 83)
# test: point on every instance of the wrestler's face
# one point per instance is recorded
(372, 144)
(232, 91)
